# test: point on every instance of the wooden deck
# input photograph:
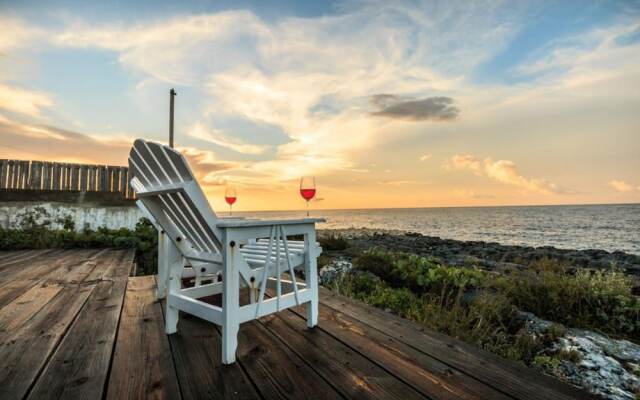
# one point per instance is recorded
(73, 324)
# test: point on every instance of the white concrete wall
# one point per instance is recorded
(11, 214)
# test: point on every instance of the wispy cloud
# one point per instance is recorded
(425, 157)
(503, 171)
(23, 101)
(46, 142)
(199, 131)
(620, 186)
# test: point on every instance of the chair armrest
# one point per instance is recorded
(263, 222)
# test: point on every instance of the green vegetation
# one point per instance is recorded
(482, 307)
(333, 242)
(34, 233)
(596, 300)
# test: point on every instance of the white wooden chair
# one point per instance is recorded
(243, 253)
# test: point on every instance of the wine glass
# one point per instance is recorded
(307, 189)
(230, 196)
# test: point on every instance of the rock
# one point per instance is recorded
(606, 367)
(331, 272)
(489, 255)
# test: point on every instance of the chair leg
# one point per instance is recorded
(174, 285)
(171, 320)
(311, 277)
(163, 268)
(312, 309)
(230, 301)
(229, 342)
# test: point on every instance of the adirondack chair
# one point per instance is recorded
(251, 254)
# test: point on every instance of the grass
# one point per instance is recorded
(482, 307)
(34, 233)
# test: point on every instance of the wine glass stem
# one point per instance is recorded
(230, 207)
(307, 208)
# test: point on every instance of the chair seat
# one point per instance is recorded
(255, 255)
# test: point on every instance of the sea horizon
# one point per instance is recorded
(431, 207)
(610, 227)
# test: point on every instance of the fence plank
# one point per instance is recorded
(83, 177)
(92, 178)
(123, 181)
(102, 178)
(111, 182)
(26, 171)
(75, 170)
(3, 173)
(35, 177)
(67, 182)
(46, 182)
(129, 193)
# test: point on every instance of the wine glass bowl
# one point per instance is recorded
(230, 196)
(308, 189)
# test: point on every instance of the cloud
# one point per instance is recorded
(437, 108)
(277, 72)
(504, 171)
(403, 182)
(50, 143)
(23, 101)
(620, 186)
(218, 138)
(470, 194)
(16, 33)
(425, 157)
(464, 161)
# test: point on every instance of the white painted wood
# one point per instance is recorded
(269, 306)
(195, 243)
(253, 223)
(173, 286)
(192, 306)
(311, 277)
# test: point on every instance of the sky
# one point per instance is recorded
(386, 104)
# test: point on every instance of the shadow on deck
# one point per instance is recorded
(73, 324)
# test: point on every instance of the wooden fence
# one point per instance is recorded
(43, 175)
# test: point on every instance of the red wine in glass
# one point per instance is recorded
(308, 189)
(230, 197)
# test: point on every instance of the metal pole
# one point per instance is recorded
(172, 94)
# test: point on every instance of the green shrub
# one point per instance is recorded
(597, 300)
(333, 242)
(418, 274)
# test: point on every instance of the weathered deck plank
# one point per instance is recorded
(79, 367)
(48, 268)
(142, 364)
(277, 371)
(197, 352)
(424, 373)
(351, 373)
(73, 325)
(508, 377)
(26, 350)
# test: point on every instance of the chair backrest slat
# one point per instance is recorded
(176, 204)
(153, 166)
(197, 221)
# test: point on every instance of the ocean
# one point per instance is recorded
(607, 227)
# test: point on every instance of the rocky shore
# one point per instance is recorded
(488, 255)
